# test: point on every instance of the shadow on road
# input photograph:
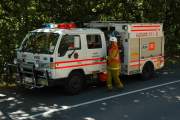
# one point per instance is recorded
(17, 103)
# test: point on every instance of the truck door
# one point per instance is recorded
(96, 52)
(134, 56)
(70, 55)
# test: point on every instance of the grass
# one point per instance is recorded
(4, 85)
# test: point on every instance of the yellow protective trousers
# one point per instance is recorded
(113, 74)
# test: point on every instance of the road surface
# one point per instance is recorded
(156, 99)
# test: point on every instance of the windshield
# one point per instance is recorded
(40, 42)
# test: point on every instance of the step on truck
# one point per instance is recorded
(72, 57)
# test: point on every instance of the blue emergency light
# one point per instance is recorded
(48, 25)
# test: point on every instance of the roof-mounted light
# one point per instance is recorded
(60, 25)
(49, 25)
(72, 25)
(66, 25)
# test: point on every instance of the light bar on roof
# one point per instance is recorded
(60, 25)
(66, 25)
(49, 25)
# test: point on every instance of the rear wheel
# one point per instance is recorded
(74, 83)
(148, 71)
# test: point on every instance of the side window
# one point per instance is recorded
(69, 42)
(94, 41)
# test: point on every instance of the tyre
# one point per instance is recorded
(148, 71)
(74, 83)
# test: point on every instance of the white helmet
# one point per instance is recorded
(113, 39)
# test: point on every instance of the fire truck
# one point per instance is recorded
(72, 57)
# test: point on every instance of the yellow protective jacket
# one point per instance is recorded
(113, 59)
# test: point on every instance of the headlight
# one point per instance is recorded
(44, 65)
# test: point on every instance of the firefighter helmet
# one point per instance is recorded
(113, 39)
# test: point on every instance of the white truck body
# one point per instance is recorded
(142, 42)
(87, 50)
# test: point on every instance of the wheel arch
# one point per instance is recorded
(148, 62)
(77, 71)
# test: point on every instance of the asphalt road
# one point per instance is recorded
(156, 99)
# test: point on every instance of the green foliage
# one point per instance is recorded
(17, 17)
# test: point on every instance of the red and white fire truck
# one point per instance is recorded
(70, 56)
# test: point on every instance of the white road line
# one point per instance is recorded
(97, 100)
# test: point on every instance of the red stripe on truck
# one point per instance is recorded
(78, 60)
(94, 62)
(135, 65)
(145, 30)
(148, 26)
(72, 66)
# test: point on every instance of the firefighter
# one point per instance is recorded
(113, 65)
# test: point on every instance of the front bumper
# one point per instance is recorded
(29, 77)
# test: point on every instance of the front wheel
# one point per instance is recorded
(74, 83)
